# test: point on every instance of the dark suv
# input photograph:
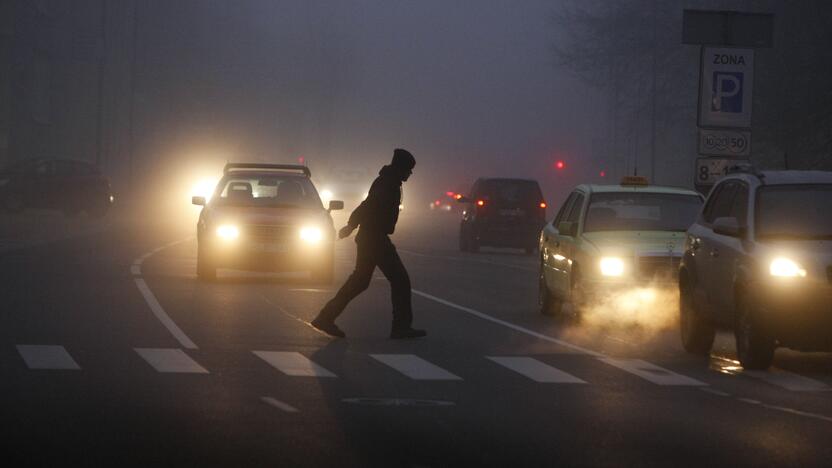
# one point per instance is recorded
(502, 213)
(759, 261)
(67, 185)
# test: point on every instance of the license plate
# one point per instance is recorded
(269, 248)
(514, 212)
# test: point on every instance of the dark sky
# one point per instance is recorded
(471, 87)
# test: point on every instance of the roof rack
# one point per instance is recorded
(266, 167)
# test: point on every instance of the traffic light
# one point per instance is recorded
(560, 165)
(602, 173)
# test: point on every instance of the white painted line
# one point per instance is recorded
(279, 404)
(799, 413)
(652, 372)
(714, 391)
(789, 381)
(536, 370)
(508, 324)
(170, 360)
(415, 367)
(749, 401)
(292, 363)
(163, 317)
(136, 269)
(50, 357)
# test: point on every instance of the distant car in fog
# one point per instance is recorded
(607, 238)
(501, 212)
(67, 185)
(265, 217)
(758, 260)
(445, 203)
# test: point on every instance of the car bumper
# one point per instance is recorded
(276, 257)
(798, 315)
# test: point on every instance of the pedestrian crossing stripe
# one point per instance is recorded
(651, 372)
(170, 361)
(47, 357)
(294, 364)
(415, 367)
(535, 370)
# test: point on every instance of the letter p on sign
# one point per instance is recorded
(726, 92)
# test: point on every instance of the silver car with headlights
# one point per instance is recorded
(265, 217)
(759, 261)
(610, 239)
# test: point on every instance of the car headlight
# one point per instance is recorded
(612, 266)
(228, 231)
(784, 267)
(311, 235)
(327, 194)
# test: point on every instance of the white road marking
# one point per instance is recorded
(508, 324)
(50, 357)
(170, 360)
(749, 401)
(715, 392)
(415, 367)
(163, 317)
(536, 370)
(279, 404)
(651, 372)
(788, 380)
(153, 303)
(798, 412)
(292, 363)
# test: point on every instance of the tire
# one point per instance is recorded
(697, 332)
(205, 269)
(577, 295)
(755, 347)
(324, 274)
(549, 305)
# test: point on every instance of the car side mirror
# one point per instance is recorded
(728, 226)
(335, 205)
(568, 228)
(198, 201)
(463, 199)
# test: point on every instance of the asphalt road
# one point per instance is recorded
(112, 353)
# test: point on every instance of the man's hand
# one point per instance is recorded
(345, 231)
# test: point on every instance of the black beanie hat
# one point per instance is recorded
(403, 159)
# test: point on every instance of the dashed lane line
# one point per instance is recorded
(153, 302)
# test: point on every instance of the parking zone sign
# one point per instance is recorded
(727, 77)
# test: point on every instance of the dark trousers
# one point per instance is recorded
(374, 251)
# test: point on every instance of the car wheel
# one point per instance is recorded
(577, 294)
(324, 274)
(549, 305)
(755, 347)
(205, 269)
(697, 331)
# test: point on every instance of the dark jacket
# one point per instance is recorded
(378, 213)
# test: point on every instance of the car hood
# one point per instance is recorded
(267, 216)
(636, 243)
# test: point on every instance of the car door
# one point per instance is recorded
(566, 246)
(726, 253)
(554, 265)
(719, 205)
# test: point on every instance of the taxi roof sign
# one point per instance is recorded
(634, 181)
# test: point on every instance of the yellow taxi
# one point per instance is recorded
(606, 238)
(265, 217)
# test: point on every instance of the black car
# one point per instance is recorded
(502, 213)
(67, 185)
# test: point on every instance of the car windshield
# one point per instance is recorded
(268, 191)
(513, 191)
(639, 211)
(794, 212)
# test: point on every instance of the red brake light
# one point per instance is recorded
(543, 204)
(458, 196)
(480, 202)
(437, 202)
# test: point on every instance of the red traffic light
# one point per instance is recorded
(602, 173)
(560, 165)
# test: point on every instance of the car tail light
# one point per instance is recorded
(480, 202)
(542, 204)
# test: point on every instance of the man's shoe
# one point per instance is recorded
(402, 333)
(328, 327)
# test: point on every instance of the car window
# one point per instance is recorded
(512, 192)
(720, 204)
(268, 191)
(564, 209)
(575, 211)
(794, 212)
(739, 208)
(641, 211)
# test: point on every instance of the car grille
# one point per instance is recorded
(266, 233)
(658, 268)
